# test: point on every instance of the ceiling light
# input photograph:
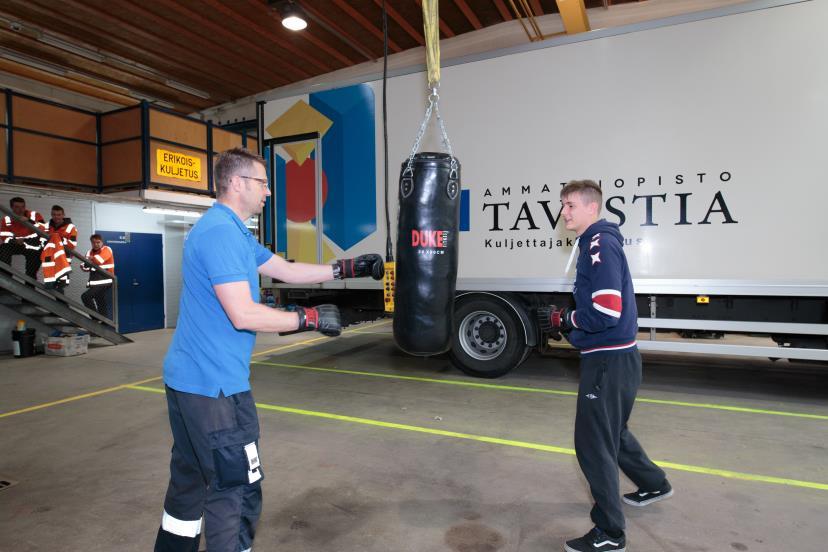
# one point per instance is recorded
(188, 89)
(71, 48)
(293, 17)
(167, 211)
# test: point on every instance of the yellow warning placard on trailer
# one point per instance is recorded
(177, 165)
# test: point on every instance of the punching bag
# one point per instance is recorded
(427, 250)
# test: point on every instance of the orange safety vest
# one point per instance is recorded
(54, 261)
(68, 233)
(104, 259)
(10, 229)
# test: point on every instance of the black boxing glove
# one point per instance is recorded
(364, 265)
(321, 318)
(554, 321)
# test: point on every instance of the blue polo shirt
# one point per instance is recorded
(207, 354)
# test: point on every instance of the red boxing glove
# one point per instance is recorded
(322, 318)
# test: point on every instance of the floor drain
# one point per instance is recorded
(6, 483)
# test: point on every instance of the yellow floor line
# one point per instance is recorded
(522, 444)
(314, 340)
(544, 391)
(78, 397)
(118, 387)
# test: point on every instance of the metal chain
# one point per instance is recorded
(433, 106)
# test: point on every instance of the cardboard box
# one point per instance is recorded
(67, 345)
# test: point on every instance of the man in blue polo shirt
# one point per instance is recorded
(215, 471)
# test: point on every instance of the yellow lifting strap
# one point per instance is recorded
(432, 41)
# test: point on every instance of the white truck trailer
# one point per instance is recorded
(706, 132)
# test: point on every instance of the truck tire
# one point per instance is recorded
(489, 338)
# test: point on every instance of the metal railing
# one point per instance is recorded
(6, 257)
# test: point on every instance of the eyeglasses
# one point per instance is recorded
(262, 181)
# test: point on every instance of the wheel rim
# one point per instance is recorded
(482, 335)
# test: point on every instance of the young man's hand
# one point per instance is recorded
(554, 321)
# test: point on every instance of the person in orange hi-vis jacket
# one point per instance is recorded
(99, 295)
(55, 263)
(18, 239)
(60, 226)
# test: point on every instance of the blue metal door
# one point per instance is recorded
(140, 271)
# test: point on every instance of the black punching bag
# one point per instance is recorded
(427, 249)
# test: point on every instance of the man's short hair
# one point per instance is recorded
(589, 191)
(14, 200)
(57, 208)
(230, 163)
(96, 237)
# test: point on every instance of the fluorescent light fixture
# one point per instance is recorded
(23, 59)
(168, 211)
(188, 89)
(71, 48)
(292, 16)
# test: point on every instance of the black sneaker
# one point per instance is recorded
(596, 541)
(643, 498)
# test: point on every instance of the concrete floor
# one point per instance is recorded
(90, 473)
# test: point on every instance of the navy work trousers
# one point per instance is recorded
(215, 475)
(603, 443)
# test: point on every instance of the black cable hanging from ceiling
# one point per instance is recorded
(389, 248)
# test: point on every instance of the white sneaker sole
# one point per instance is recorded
(649, 501)
(568, 549)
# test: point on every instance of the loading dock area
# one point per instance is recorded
(365, 448)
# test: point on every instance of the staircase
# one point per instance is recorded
(47, 311)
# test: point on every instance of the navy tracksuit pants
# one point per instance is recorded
(215, 475)
(603, 443)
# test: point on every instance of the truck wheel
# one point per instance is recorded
(488, 337)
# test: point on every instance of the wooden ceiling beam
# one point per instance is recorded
(55, 56)
(141, 59)
(264, 11)
(367, 25)
(151, 41)
(64, 83)
(207, 51)
(267, 34)
(503, 10)
(400, 20)
(339, 32)
(219, 30)
(114, 60)
(469, 13)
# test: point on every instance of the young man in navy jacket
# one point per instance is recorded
(603, 327)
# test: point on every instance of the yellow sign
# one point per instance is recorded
(177, 165)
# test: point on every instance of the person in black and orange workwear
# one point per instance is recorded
(99, 295)
(55, 259)
(18, 239)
